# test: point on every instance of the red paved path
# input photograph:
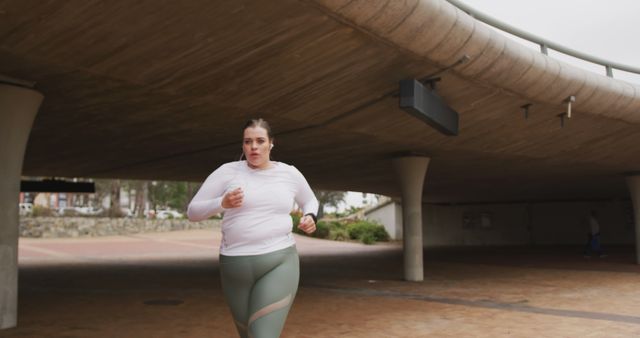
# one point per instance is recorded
(105, 288)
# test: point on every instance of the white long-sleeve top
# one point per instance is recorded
(263, 223)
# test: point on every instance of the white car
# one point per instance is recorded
(88, 210)
(78, 211)
(126, 212)
(171, 214)
(67, 211)
(26, 209)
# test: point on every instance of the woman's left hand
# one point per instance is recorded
(307, 224)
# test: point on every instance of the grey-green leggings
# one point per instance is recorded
(260, 290)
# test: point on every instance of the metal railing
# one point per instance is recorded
(544, 44)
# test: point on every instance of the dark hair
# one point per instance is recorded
(253, 123)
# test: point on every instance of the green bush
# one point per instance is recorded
(295, 218)
(322, 230)
(339, 235)
(336, 226)
(367, 232)
(368, 238)
(381, 233)
(40, 211)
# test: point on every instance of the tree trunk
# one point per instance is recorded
(138, 209)
(130, 202)
(114, 203)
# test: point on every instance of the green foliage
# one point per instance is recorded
(329, 198)
(103, 188)
(295, 218)
(339, 235)
(40, 211)
(364, 231)
(367, 232)
(168, 194)
(368, 238)
(322, 230)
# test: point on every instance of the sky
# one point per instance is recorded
(606, 29)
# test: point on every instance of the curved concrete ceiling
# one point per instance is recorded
(160, 91)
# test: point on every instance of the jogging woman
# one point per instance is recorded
(259, 264)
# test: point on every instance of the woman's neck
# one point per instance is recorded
(264, 166)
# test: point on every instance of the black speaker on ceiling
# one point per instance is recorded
(425, 104)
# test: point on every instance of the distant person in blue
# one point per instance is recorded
(593, 244)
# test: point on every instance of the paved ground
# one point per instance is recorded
(167, 285)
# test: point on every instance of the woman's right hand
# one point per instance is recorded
(233, 199)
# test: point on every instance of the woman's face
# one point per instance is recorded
(256, 147)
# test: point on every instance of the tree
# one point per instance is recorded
(168, 194)
(141, 189)
(329, 198)
(103, 189)
(192, 188)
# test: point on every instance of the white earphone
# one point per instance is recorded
(271, 146)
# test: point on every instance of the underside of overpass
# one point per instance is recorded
(156, 91)
(151, 90)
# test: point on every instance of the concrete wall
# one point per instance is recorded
(390, 216)
(503, 225)
(61, 227)
(565, 223)
(553, 223)
(521, 224)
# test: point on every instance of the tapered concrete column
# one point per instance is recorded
(18, 108)
(411, 171)
(634, 188)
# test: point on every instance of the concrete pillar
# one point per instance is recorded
(634, 188)
(411, 171)
(18, 108)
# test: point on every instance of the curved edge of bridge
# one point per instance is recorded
(441, 33)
